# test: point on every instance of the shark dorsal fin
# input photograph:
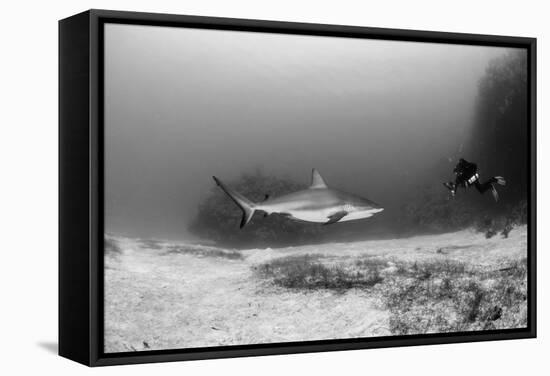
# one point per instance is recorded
(316, 180)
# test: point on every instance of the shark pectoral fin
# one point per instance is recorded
(336, 217)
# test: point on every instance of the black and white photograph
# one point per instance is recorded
(273, 188)
(264, 188)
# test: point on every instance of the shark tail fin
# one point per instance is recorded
(242, 202)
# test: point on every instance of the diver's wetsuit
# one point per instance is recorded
(466, 175)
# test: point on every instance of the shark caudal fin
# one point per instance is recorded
(242, 202)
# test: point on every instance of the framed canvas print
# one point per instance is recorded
(236, 187)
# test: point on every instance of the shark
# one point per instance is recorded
(318, 203)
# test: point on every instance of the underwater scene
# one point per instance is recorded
(268, 188)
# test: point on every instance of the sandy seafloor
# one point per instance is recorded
(157, 299)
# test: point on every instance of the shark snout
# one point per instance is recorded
(375, 207)
(376, 210)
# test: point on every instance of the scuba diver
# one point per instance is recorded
(466, 176)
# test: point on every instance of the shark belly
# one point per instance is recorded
(317, 206)
(316, 216)
(323, 215)
(355, 216)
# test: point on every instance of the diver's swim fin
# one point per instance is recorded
(494, 192)
(500, 180)
(450, 187)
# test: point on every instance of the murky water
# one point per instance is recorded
(376, 118)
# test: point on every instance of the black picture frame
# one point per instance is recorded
(81, 186)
